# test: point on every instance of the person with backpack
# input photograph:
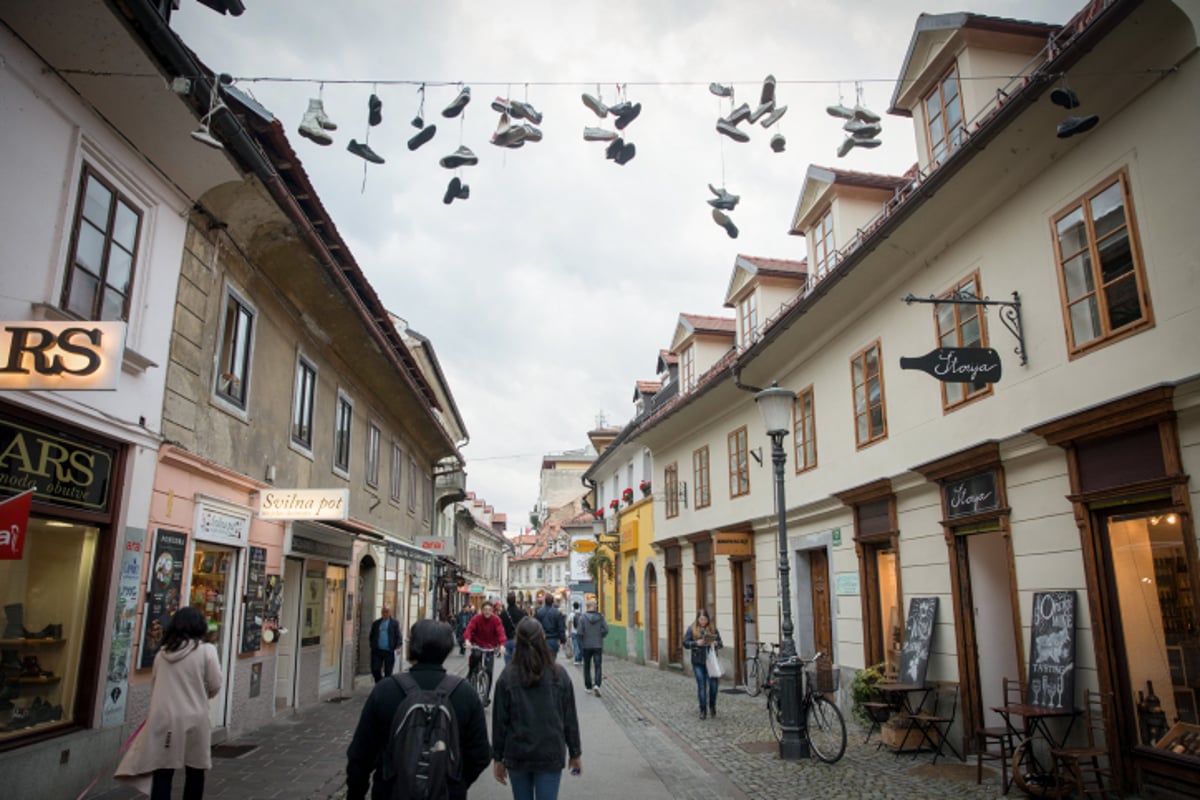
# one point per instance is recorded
(573, 632)
(510, 617)
(552, 623)
(422, 734)
(535, 727)
(592, 630)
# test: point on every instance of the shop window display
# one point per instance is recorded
(211, 569)
(45, 597)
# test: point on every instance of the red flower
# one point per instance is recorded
(598, 513)
(615, 504)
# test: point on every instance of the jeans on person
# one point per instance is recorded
(193, 784)
(553, 645)
(705, 686)
(508, 650)
(594, 655)
(534, 785)
(382, 663)
(575, 648)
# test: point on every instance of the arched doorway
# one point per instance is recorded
(365, 614)
(651, 626)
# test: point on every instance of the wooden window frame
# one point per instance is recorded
(119, 198)
(738, 443)
(702, 477)
(862, 355)
(950, 144)
(748, 319)
(801, 436)
(374, 437)
(1108, 335)
(973, 311)
(304, 404)
(687, 367)
(235, 351)
(344, 411)
(671, 484)
(824, 245)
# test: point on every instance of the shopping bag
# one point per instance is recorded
(713, 663)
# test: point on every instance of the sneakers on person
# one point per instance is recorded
(720, 90)
(522, 110)
(458, 104)
(365, 152)
(768, 90)
(597, 135)
(596, 690)
(311, 126)
(596, 107)
(374, 110)
(740, 113)
(732, 131)
(722, 219)
(761, 111)
(723, 200)
(774, 116)
(628, 151)
(627, 116)
(778, 143)
(462, 157)
(423, 136)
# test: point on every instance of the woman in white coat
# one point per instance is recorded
(177, 732)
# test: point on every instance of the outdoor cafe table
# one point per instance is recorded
(1035, 720)
(911, 698)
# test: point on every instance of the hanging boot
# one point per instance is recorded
(723, 200)
(374, 111)
(316, 122)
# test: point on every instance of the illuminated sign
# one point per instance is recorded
(67, 356)
(304, 504)
(59, 468)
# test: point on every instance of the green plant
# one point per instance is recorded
(600, 564)
(864, 688)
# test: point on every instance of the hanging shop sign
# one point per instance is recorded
(59, 468)
(476, 588)
(437, 546)
(254, 602)
(165, 585)
(65, 356)
(733, 544)
(958, 364)
(304, 504)
(629, 535)
(973, 495)
(583, 545)
(14, 523)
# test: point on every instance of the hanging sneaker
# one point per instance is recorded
(761, 111)
(532, 134)
(311, 126)
(417, 122)
(865, 114)
(620, 108)
(375, 111)
(1062, 96)
(364, 152)
(778, 143)
(723, 200)
(627, 116)
(203, 134)
(323, 118)
(462, 157)
(507, 134)
(464, 193)
(774, 116)
(598, 135)
(501, 105)
(596, 107)
(720, 90)
(1073, 125)
(628, 151)
(846, 146)
(452, 190)
(768, 90)
(732, 131)
(421, 138)
(740, 113)
(862, 130)
(722, 219)
(840, 111)
(870, 144)
(614, 148)
(458, 103)
(523, 110)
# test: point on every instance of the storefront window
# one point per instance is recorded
(335, 608)
(45, 595)
(211, 568)
(1158, 619)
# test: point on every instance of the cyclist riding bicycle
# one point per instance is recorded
(484, 632)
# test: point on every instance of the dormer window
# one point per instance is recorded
(748, 320)
(687, 362)
(824, 250)
(944, 112)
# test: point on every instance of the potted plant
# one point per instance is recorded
(598, 513)
(627, 496)
(645, 487)
(614, 504)
(864, 689)
(599, 565)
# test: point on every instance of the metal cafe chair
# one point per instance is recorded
(934, 723)
(1003, 737)
(1088, 764)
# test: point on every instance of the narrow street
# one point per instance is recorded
(641, 740)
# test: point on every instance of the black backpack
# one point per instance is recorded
(423, 754)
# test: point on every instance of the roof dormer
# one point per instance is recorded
(699, 342)
(954, 66)
(757, 289)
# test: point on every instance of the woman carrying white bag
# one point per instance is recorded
(703, 639)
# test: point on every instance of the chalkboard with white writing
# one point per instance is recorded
(1052, 650)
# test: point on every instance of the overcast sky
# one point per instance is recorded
(550, 291)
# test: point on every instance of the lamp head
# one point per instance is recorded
(775, 404)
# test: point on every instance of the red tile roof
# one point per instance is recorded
(874, 180)
(777, 266)
(706, 324)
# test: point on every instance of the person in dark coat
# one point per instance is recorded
(535, 727)
(510, 618)
(385, 641)
(429, 642)
(700, 637)
(553, 624)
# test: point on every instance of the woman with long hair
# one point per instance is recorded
(535, 728)
(701, 638)
(177, 732)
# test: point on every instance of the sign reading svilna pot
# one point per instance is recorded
(958, 364)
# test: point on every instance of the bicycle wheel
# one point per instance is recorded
(481, 683)
(1034, 773)
(826, 730)
(753, 677)
(773, 713)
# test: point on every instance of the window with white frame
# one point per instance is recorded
(237, 343)
(687, 369)
(824, 250)
(748, 319)
(304, 403)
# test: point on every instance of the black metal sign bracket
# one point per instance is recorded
(1010, 312)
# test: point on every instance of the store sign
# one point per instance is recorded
(58, 467)
(476, 588)
(583, 545)
(846, 583)
(958, 364)
(165, 585)
(304, 504)
(437, 545)
(629, 535)
(214, 525)
(972, 495)
(65, 356)
(733, 544)
(14, 524)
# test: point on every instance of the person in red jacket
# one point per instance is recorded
(484, 632)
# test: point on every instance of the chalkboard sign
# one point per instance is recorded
(1052, 651)
(254, 607)
(971, 495)
(918, 633)
(164, 585)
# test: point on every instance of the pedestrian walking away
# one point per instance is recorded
(385, 641)
(177, 732)
(592, 630)
(367, 758)
(462, 620)
(535, 727)
(484, 632)
(573, 633)
(510, 616)
(552, 623)
(703, 639)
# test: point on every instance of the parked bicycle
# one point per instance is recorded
(479, 674)
(823, 719)
(758, 666)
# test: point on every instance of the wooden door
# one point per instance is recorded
(818, 563)
(674, 623)
(652, 614)
(739, 621)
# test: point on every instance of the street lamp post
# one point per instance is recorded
(776, 407)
